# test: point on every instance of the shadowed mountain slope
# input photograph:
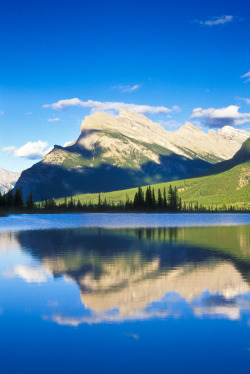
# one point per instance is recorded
(242, 156)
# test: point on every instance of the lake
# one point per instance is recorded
(125, 293)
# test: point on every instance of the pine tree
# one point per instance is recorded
(170, 197)
(105, 204)
(79, 205)
(179, 204)
(148, 198)
(71, 203)
(164, 198)
(140, 198)
(127, 203)
(153, 199)
(160, 200)
(99, 201)
(10, 199)
(18, 198)
(30, 202)
(175, 199)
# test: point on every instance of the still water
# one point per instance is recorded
(120, 294)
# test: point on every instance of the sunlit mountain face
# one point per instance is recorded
(137, 274)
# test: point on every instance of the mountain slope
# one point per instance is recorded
(231, 186)
(243, 155)
(126, 151)
(7, 180)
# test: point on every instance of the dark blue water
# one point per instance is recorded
(57, 221)
(131, 295)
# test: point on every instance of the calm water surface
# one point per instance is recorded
(125, 293)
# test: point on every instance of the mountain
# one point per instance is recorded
(242, 156)
(127, 151)
(7, 180)
(227, 182)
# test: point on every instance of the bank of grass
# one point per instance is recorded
(231, 187)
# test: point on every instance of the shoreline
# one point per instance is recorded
(56, 212)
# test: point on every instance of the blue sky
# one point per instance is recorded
(185, 54)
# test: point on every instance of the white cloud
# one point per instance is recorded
(215, 21)
(30, 150)
(68, 143)
(54, 119)
(247, 76)
(127, 88)
(99, 106)
(245, 99)
(28, 113)
(30, 274)
(1, 112)
(228, 116)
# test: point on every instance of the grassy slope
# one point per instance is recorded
(229, 187)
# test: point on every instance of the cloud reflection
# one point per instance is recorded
(30, 274)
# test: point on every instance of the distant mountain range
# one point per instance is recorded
(126, 151)
(7, 180)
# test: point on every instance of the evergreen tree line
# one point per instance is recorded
(148, 201)
(164, 201)
(12, 200)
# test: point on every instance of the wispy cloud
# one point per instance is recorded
(99, 106)
(246, 77)
(127, 88)
(54, 119)
(1, 112)
(245, 99)
(215, 21)
(28, 113)
(31, 150)
(220, 117)
(108, 317)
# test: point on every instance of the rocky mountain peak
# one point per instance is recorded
(189, 128)
(232, 133)
(188, 141)
(133, 116)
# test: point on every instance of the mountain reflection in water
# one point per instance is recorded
(140, 274)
